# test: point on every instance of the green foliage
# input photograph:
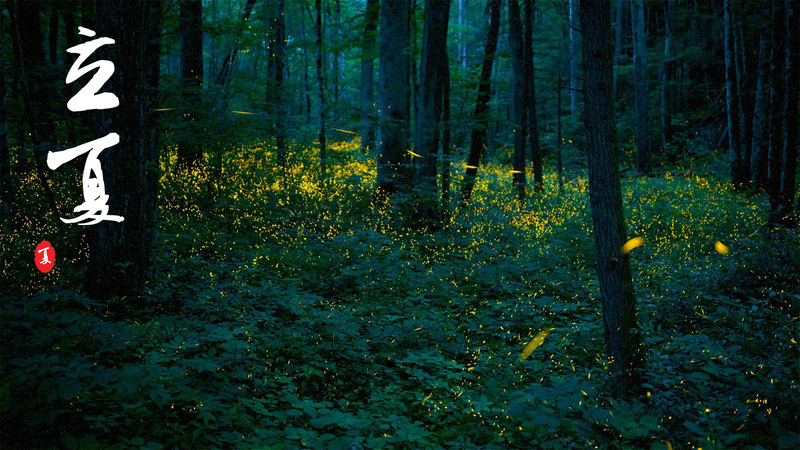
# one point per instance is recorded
(289, 315)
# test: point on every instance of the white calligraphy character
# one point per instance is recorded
(94, 191)
(45, 259)
(88, 98)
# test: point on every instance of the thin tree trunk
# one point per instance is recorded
(558, 145)
(792, 121)
(520, 122)
(778, 102)
(371, 17)
(277, 59)
(5, 152)
(446, 142)
(306, 85)
(530, 94)
(643, 156)
(622, 338)
(478, 142)
(321, 93)
(230, 59)
(414, 91)
(734, 132)
(574, 59)
(52, 34)
(393, 103)
(190, 150)
(759, 158)
(666, 76)
(618, 42)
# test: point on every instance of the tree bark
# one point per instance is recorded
(321, 93)
(190, 150)
(618, 42)
(478, 141)
(608, 222)
(5, 151)
(792, 121)
(230, 59)
(520, 121)
(778, 103)
(371, 16)
(666, 75)
(120, 253)
(530, 94)
(574, 59)
(306, 85)
(277, 98)
(434, 59)
(393, 103)
(759, 158)
(643, 156)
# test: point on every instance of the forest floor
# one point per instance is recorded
(294, 316)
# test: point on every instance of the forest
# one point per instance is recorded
(399, 224)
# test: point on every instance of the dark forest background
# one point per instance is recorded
(363, 224)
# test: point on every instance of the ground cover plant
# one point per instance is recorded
(310, 317)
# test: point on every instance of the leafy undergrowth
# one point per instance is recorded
(289, 315)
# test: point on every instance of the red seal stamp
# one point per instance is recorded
(44, 256)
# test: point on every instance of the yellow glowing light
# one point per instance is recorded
(414, 154)
(344, 131)
(426, 398)
(537, 341)
(721, 248)
(164, 109)
(242, 112)
(632, 244)
(470, 167)
(516, 171)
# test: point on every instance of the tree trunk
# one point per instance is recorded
(119, 253)
(367, 74)
(574, 58)
(190, 149)
(560, 168)
(306, 85)
(520, 122)
(393, 173)
(277, 97)
(618, 42)
(321, 92)
(230, 59)
(429, 114)
(52, 34)
(5, 152)
(792, 121)
(478, 140)
(643, 157)
(759, 157)
(666, 75)
(778, 102)
(446, 142)
(622, 338)
(530, 94)
(732, 95)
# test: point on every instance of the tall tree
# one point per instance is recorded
(478, 143)
(190, 149)
(276, 96)
(371, 16)
(530, 95)
(618, 42)
(777, 109)
(5, 151)
(321, 92)
(643, 157)
(120, 253)
(666, 74)
(608, 221)
(759, 156)
(393, 103)
(520, 121)
(738, 174)
(306, 85)
(574, 61)
(429, 115)
(226, 69)
(792, 120)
